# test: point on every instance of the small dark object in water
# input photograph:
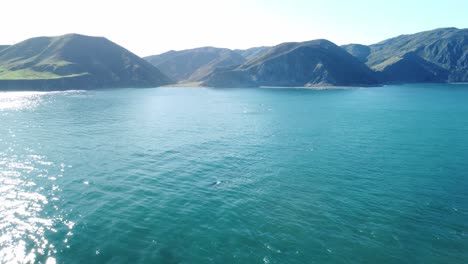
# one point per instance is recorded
(216, 183)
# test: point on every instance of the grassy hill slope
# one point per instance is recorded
(94, 62)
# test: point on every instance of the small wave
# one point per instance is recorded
(272, 249)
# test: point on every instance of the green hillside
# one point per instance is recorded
(76, 57)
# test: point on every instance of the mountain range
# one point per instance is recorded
(439, 55)
(81, 62)
(311, 63)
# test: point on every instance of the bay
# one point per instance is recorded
(198, 175)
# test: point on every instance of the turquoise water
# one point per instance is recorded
(184, 175)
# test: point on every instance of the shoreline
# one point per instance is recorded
(196, 85)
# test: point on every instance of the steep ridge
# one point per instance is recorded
(438, 55)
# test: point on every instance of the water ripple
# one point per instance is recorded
(26, 208)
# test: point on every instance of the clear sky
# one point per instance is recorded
(148, 27)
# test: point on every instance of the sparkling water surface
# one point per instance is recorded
(197, 175)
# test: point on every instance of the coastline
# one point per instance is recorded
(29, 86)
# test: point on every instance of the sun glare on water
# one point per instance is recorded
(22, 222)
(28, 191)
(19, 100)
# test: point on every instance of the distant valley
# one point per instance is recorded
(81, 62)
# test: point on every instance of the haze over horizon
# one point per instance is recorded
(152, 27)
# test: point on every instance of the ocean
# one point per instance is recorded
(200, 175)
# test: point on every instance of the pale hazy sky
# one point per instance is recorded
(150, 27)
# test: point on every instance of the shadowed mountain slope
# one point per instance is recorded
(438, 55)
(311, 63)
